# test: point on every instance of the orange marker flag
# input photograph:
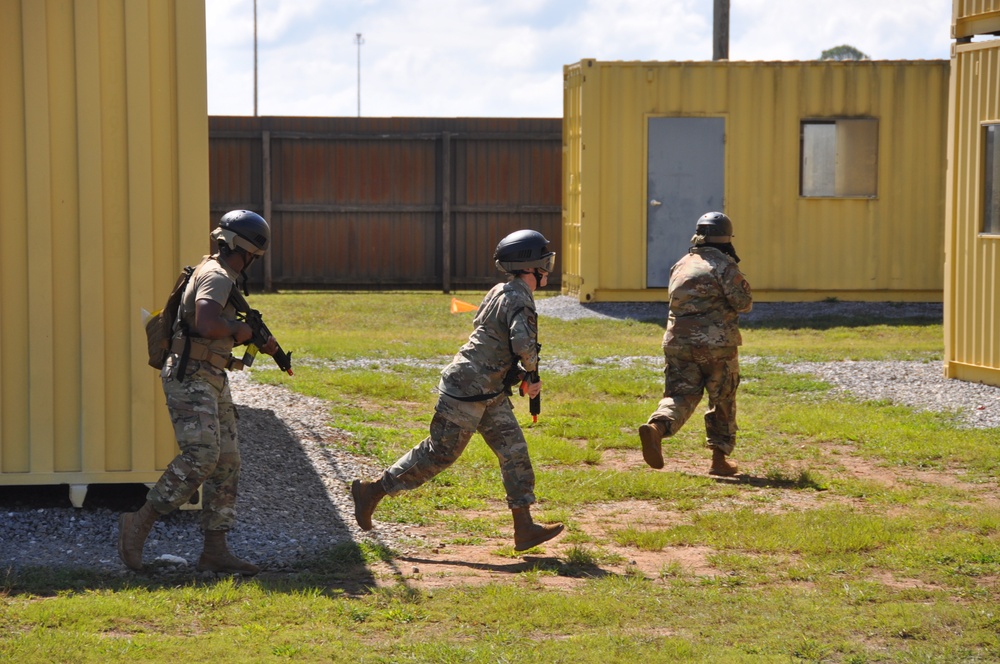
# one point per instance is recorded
(458, 306)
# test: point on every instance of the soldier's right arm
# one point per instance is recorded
(737, 289)
(210, 324)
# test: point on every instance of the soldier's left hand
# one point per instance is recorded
(534, 389)
(270, 347)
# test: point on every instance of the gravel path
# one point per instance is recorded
(294, 501)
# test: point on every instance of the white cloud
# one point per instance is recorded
(488, 58)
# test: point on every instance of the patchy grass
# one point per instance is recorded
(855, 532)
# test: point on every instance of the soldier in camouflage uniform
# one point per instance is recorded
(473, 394)
(200, 403)
(707, 294)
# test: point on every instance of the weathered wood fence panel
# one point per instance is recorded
(387, 202)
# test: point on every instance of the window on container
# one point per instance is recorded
(991, 180)
(839, 158)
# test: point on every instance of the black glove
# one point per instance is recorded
(513, 377)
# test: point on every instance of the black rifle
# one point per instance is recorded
(535, 403)
(261, 334)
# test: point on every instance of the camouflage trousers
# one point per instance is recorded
(689, 373)
(204, 420)
(446, 442)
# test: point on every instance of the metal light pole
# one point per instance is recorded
(255, 58)
(720, 32)
(359, 40)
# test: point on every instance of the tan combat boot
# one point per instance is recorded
(366, 497)
(720, 466)
(527, 533)
(133, 528)
(652, 451)
(217, 558)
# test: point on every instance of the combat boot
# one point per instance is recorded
(652, 451)
(366, 497)
(527, 533)
(720, 466)
(133, 528)
(217, 558)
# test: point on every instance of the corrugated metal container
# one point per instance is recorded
(103, 193)
(974, 17)
(972, 290)
(649, 146)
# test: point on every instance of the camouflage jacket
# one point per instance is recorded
(707, 294)
(506, 331)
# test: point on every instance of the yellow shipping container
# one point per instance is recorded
(974, 17)
(103, 197)
(833, 173)
(972, 241)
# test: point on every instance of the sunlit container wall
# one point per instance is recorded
(885, 246)
(974, 17)
(972, 246)
(103, 197)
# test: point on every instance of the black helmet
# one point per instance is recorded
(523, 251)
(244, 229)
(716, 226)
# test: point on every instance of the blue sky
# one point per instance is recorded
(504, 58)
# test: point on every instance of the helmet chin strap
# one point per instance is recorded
(248, 260)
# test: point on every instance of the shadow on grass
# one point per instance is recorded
(793, 315)
(830, 322)
(340, 571)
(803, 481)
(526, 564)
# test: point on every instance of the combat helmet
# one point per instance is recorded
(244, 229)
(715, 227)
(524, 251)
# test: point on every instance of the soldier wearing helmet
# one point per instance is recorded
(473, 394)
(707, 293)
(198, 396)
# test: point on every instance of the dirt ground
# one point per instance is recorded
(438, 563)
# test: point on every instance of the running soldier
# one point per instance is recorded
(473, 394)
(707, 294)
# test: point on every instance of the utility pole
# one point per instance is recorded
(255, 58)
(720, 33)
(359, 40)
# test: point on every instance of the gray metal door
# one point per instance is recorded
(686, 180)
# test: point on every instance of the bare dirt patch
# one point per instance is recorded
(434, 559)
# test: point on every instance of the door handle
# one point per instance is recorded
(655, 203)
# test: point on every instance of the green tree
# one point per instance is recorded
(843, 52)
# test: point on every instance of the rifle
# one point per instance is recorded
(252, 317)
(535, 403)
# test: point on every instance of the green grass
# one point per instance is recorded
(858, 531)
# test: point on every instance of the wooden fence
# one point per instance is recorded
(387, 202)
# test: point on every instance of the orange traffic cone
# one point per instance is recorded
(458, 306)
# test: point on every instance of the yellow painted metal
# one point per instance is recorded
(974, 17)
(883, 248)
(972, 266)
(103, 197)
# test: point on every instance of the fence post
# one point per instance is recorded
(265, 137)
(446, 210)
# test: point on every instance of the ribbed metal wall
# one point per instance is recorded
(103, 186)
(387, 202)
(974, 17)
(972, 288)
(793, 247)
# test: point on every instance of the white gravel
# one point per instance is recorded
(294, 501)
